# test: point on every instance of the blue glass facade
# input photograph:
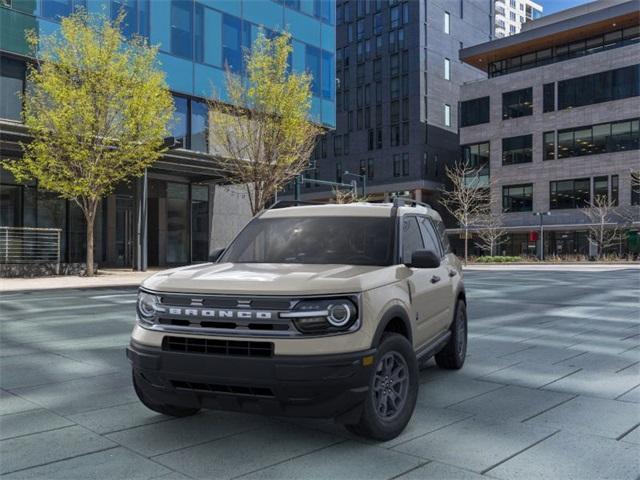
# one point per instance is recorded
(198, 39)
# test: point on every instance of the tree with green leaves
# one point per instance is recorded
(261, 131)
(97, 107)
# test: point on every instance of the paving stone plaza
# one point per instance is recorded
(551, 389)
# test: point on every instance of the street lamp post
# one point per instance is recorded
(541, 215)
(364, 181)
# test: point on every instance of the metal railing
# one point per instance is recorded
(30, 245)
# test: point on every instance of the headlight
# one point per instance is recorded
(147, 305)
(323, 315)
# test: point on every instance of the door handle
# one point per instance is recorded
(452, 273)
(435, 279)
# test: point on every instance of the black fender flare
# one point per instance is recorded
(396, 311)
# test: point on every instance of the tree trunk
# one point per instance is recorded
(90, 271)
(90, 217)
(466, 244)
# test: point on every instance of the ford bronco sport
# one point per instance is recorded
(313, 310)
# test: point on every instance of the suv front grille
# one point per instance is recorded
(230, 389)
(208, 346)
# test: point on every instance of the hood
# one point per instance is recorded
(270, 279)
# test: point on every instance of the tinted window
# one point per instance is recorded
(182, 28)
(429, 236)
(517, 198)
(518, 103)
(12, 73)
(314, 240)
(549, 97)
(599, 87)
(411, 238)
(570, 193)
(444, 238)
(516, 150)
(474, 112)
(231, 43)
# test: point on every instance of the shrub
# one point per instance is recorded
(498, 259)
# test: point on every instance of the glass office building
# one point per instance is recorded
(198, 40)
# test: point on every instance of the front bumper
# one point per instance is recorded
(322, 386)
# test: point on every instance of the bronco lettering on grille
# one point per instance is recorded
(212, 313)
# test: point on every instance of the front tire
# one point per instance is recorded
(453, 355)
(393, 390)
(165, 409)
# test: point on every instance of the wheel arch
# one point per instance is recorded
(395, 319)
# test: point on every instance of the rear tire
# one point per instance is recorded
(453, 355)
(393, 390)
(165, 409)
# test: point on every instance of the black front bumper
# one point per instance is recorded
(322, 386)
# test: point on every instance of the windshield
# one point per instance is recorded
(316, 240)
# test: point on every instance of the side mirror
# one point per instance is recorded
(424, 259)
(216, 254)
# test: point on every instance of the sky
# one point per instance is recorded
(552, 6)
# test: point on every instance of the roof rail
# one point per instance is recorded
(290, 203)
(407, 201)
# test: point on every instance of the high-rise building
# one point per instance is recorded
(173, 223)
(510, 15)
(556, 124)
(398, 80)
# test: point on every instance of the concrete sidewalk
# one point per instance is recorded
(555, 267)
(105, 278)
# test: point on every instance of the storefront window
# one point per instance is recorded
(177, 223)
(199, 223)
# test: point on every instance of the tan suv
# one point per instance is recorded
(313, 310)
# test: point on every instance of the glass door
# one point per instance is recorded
(124, 231)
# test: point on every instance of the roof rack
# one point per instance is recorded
(407, 201)
(290, 203)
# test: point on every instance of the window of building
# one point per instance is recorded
(602, 138)
(405, 133)
(394, 65)
(615, 192)
(518, 103)
(405, 164)
(559, 53)
(635, 188)
(360, 29)
(474, 112)
(337, 145)
(377, 23)
(199, 126)
(570, 193)
(447, 115)
(516, 150)
(339, 172)
(231, 43)
(370, 168)
(378, 138)
(394, 112)
(394, 16)
(477, 156)
(517, 198)
(367, 117)
(395, 135)
(179, 125)
(549, 145)
(328, 75)
(136, 20)
(182, 28)
(601, 188)
(599, 87)
(447, 69)
(397, 166)
(345, 144)
(447, 23)
(56, 9)
(312, 63)
(405, 13)
(370, 138)
(377, 69)
(549, 97)
(359, 119)
(12, 78)
(394, 87)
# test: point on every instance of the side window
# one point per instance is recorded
(429, 235)
(444, 238)
(411, 238)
